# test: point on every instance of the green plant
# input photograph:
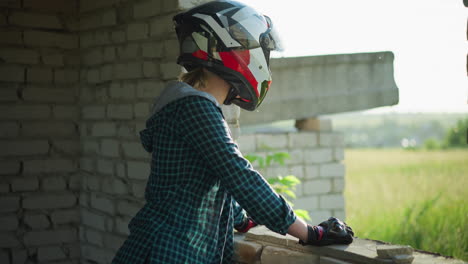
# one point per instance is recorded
(284, 185)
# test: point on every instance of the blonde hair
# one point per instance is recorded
(196, 78)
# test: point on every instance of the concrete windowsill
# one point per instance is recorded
(261, 245)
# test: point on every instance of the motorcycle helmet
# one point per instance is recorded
(232, 40)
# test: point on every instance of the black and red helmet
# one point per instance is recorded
(232, 40)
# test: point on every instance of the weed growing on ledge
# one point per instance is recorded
(282, 185)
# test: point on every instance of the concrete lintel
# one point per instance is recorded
(305, 87)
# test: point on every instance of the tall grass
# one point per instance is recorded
(417, 198)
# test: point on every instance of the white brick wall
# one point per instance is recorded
(93, 112)
(318, 155)
(149, 89)
(45, 39)
(109, 148)
(130, 70)
(49, 201)
(138, 170)
(137, 31)
(124, 67)
(9, 222)
(24, 184)
(332, 170)
(134, 150)
(65, 216)
(9, 167)
(317, 187)
(48, 237)
(76, 88)
(34, 20)
(123, 91)
(331, 201)
(102, 203)
(303, 140)
(315, 159)
(311, 171)
(169, 71)
(161, 26)
(36, 221)
(142, 110)
(94, 237)
(94, 220)
(49, 129)
(105, 166)
(19, 256)
(104, 129)
(152, 50)
(50, 253)
(128, 208)
(331, 139)
(147, 9)
(24, 112)
(48, 166)
(23, 148)
(19, 55)
(39, 144)
(267, 141)
(115, 186)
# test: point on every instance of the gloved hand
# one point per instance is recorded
(332, 231)
(246, 225)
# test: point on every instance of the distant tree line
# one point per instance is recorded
(389, 130)
(456, 137)
(403, 130)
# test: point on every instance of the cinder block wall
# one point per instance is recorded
(39, 136)
(77, 79)
(316, 159)
(128, 52)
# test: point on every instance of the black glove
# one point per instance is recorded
(332, 231)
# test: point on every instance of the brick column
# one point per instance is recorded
(316, 159)
(328, 184)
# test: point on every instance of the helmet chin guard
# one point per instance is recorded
(233, 41)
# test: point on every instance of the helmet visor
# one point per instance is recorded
(253, 30)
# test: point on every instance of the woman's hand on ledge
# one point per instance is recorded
(332, 231)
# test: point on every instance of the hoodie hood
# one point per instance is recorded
(173, 92)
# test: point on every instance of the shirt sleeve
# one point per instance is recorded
(202, 125)
(239, 214)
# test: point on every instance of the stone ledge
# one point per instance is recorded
(250, 248)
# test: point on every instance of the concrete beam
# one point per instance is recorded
(305, 87)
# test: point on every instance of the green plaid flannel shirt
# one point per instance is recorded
(197, 175)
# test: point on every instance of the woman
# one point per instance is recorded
(200, 184)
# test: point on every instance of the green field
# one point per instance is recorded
(416, 198)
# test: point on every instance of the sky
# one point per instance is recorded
(428, 38)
